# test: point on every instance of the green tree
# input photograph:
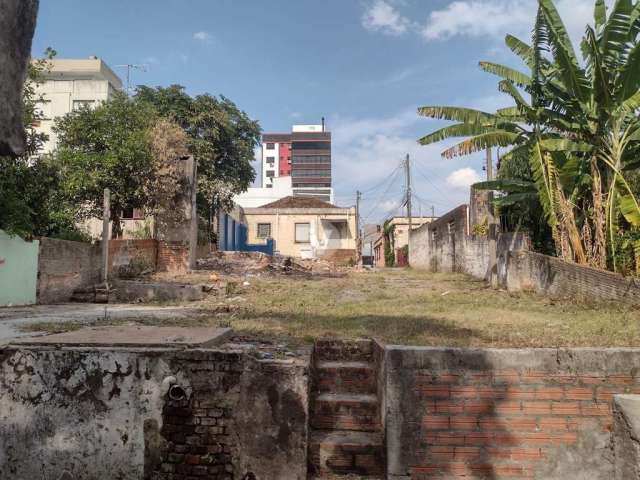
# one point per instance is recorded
(575, 122)
(221, 137)
(108, 147)
(31, 203)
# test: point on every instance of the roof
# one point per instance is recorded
(299, 202)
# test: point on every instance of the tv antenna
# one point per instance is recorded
(129, 67)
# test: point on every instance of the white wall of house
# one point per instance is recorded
(70, 84)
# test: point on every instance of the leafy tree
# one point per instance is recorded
(30, 200)
(108, 147)
(221, 138)
(578, 129)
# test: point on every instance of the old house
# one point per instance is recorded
(304, 227)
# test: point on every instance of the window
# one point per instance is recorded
(264, 230)
(270, 173)
(271, 159)
(80, 104)
(269, 185)
(271, 146)
(303, 232)
(132, 214)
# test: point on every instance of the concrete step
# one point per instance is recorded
(345, 377)
(357, 412)
(335, 350)
(344, 454)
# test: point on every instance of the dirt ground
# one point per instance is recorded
(403, 307)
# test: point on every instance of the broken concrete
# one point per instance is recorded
(626, 434)
(17, 26)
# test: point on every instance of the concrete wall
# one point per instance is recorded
(18, 270)
(64, 266)
(552, 276)
(448, 245)
(542, 414)
(626, 436)
(104, 413)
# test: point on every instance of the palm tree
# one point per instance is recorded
(574, 122)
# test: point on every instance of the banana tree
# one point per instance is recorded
(576, 121)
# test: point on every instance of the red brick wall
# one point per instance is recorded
(524, 421)
(121, 252)
(173, 257)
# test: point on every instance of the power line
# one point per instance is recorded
(384, 180)
(391, 181)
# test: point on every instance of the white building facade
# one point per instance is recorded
(71, 84)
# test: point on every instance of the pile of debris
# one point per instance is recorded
(257, 264)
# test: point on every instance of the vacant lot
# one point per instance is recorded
(408, 307)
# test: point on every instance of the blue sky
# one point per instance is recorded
(365, 65)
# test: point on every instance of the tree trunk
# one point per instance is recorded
(116, 225)
(599, 219)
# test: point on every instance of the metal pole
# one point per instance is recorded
(106, 213)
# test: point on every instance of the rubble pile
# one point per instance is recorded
(258, 264)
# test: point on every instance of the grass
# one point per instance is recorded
(410, 307)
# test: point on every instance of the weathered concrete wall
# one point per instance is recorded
(626, 436)
(64, 266)
(17, 25)
(552, 276)
(447, 245)
(543, 414)
(105, 413)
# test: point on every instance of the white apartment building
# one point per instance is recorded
(304, 156)
(71, 84)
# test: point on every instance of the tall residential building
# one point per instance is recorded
(71, 84)
(304, 155)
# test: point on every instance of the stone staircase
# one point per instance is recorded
(346, 439)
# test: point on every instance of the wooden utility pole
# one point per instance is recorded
(106, 213)
(489, 165)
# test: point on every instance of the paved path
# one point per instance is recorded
(12, 319)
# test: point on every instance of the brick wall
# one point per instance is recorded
(123, 252)
(173, 257)
(64, 266)
(543, 414)
(552, 276)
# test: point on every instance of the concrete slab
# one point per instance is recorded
(134, 336)
(14, 320)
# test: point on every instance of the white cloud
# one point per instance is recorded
(202, 36)
(367, 151)
(383, 17)
(463, 178)
(475, 18)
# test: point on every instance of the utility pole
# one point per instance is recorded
(433, 211)
(407, 168)
(489, 165)
(358, 239)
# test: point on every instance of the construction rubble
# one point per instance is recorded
(244, 264)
